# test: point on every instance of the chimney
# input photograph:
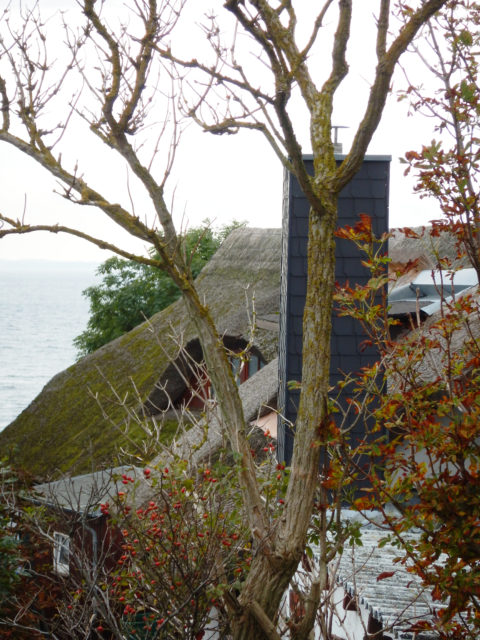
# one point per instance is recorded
(366, 193)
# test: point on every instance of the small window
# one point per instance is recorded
(255, 363)
(61, 554)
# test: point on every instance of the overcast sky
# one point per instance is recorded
(222, 178)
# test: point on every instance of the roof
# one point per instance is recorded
(85, 493)
(258, 396)
(463, 337)
(427, 290)
(422, 246)
(397, 599)
(77, 420)
(422, 291)
(79, 417)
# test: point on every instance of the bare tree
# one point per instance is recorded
(120, 68)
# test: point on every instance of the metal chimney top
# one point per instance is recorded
(337, 146)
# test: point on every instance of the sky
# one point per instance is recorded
(217, 177)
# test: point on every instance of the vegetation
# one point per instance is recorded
(131, 292)
(120, 67)
(10, 558)
(425, 429)
(199, 549)
(437, 465)
(28, 591)
(423, 439)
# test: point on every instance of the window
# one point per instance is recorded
(61, 554)
(239, 369)
(255, 364)
(199, 388)
(246, 367)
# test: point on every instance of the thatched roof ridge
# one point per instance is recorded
(425, 248)
(64, 427)
(258, 395)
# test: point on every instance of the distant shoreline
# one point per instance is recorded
(9, 264)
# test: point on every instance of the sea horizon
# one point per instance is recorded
(42, 310)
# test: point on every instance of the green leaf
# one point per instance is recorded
(465, 37)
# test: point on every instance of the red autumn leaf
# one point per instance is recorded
(437, 593)
(365, 223)
(385, 574)
(411, 233)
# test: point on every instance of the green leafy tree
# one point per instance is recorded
(131, 291)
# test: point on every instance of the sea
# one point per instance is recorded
(42, 310)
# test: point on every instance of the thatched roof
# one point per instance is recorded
(65, 429)
(84, 493)
(424, 249)
(258, 395)
(463, 342)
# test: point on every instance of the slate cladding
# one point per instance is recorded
(366, 193)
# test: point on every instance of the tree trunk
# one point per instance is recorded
(276, 561)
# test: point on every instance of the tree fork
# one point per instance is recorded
(269, 577)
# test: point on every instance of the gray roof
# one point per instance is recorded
(396, 601)
(85, 493)
(427, 290)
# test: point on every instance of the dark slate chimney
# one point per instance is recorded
(366, 193)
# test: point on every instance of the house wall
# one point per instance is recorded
(93, 541)
(368, 193)
(347, 625)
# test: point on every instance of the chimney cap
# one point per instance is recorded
(337, 146)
